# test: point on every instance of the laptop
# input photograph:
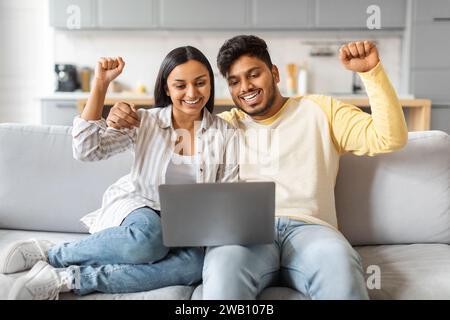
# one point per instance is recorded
(212, 214)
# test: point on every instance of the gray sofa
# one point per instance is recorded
(394, 208)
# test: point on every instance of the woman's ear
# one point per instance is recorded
(167, 91)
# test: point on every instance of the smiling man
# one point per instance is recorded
(309, 254)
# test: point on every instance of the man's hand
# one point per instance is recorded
(123, 115)
(359, 56)
(107, 69)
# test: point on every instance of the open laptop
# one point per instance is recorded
(210, 214)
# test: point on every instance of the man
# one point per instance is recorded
(308, 134)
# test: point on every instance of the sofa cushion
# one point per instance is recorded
(9, 236)
(416, 271)
(42, 187)
(406, 272)
(167, 293)
(270, 293)
(397, 198)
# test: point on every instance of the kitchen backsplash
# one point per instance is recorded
(143, 52)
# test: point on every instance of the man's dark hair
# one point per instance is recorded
(241, 45)
(174, 58)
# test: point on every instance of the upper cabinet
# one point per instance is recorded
(431, 11)
(281, 14)
(355, 14)
(203, 14)
(73, 14)
(129, 14)
(226, 15)
(430, 50)
(102, 14)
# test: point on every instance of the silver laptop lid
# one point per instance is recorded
(210, 214)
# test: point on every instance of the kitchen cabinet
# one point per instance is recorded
(130, 14)
(352, 14)
(430, 51)
(226, 15)
(58, 112)
(431, 11)
(269, 14)
(73, 14)
(440, 118)
(203, 14)
(432, 84)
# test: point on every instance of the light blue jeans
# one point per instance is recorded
(128, 258)
(313, 259)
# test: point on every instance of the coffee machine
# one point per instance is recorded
(66, 77)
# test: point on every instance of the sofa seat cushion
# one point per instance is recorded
(270, 293)
(416, 271)
(167, 293)
(9, 236)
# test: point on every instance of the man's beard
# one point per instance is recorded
(266, 108)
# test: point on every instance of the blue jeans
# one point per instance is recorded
(128, 258)
(313, 259)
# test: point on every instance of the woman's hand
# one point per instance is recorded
(123, 115)
(107, 69)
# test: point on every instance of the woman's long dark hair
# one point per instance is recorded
(174, 58)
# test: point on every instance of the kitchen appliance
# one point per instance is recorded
(66, 77)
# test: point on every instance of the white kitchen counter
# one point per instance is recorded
(61, 107)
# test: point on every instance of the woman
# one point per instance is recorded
(178, 142)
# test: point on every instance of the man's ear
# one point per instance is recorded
(275, 73)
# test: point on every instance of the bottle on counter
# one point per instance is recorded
(302, 81)
(85, 75)
(291, 80)
(140, 88)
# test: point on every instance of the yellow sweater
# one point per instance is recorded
(299, 147)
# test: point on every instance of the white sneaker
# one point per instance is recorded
(23, 255)
(6, 283)
(42, 282)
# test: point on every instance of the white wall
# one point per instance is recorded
(26, 59)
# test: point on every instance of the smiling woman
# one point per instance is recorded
(178, 65)
(189, 88)
(185, 81)
(127, 228)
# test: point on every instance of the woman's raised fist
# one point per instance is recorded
(107, 69)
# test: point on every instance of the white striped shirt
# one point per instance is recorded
(153, 144)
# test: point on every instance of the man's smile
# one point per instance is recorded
(252, 98)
